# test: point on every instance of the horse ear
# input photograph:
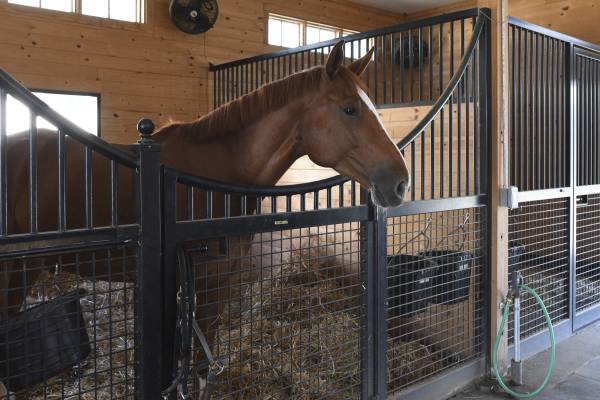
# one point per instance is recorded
(359, 66)
(335, 59)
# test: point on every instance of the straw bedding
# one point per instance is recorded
(108, 311)
(294, 334)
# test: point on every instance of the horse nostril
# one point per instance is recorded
(401, 189)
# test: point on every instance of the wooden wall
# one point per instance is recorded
(577, 18)
(151, 69)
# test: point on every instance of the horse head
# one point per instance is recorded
(341, 129)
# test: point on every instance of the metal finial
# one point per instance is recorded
(145, 127)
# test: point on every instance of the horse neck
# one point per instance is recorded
(257, 154)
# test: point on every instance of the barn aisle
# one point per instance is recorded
(576, 374)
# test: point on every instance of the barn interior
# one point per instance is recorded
(307, 289)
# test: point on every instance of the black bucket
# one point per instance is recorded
(409, 284)
(451, 279)
(42, 342)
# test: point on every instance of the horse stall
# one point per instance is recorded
(553, 158)
(126, 278)
(310, 316)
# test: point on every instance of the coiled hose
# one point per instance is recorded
(495, 370)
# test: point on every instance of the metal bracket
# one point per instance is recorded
(509, 197)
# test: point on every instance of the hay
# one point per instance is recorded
(108, 311)
(297, 335)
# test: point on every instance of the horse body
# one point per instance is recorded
(321, 112)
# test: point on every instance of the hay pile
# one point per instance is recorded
(108, 311)
(297, 335)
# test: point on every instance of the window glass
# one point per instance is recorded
(58, 5)
(82, 110)
(31, 3)
(95, 8)
(290, 34)
(274, 32)
(122, 10)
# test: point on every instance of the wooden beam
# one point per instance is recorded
(499, 169)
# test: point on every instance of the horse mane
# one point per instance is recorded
(237, 114)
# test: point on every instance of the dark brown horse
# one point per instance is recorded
(322, 112)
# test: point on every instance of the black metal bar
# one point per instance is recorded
(3, 165)
(420, 63)
(411, 80)
(384, 68)
(380, 333)
(114, 192)
(88, 187)
(169, 275)
(62, 198)
(33, 173)
(376, 70)
(21, 245)
(393, 66)
(206, 229)
(149, 272)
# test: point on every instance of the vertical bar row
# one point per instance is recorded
(3, 165)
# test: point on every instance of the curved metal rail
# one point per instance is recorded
(323, 184)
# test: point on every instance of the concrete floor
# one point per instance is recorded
(576, 373)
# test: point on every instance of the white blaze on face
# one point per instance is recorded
(365, 98)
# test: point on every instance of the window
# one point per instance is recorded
(292, 32)
(81, 109)
(122, 10)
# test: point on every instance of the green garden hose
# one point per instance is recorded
(552, 349)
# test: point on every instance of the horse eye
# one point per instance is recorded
(351, 111)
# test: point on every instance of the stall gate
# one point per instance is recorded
(553, 158)
(302, 291)
(313, 314)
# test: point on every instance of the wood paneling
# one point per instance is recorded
(577, 18)
(149, 70)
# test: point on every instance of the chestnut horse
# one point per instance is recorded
(323, 112)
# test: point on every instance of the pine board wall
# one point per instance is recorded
(151, 69)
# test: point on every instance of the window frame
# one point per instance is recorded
(76, 10)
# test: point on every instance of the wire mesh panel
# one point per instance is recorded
(282, 311)
(72, 332)
(539, 106)
(539, 249)
(587, 273)
(436, 311)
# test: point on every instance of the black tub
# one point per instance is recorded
(452, 277)
(42, 342)
(409, 284)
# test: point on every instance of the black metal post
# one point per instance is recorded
(149, 305)
(379, 311)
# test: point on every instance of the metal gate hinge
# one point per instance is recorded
(509, 197)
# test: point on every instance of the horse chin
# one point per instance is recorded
(381, 200)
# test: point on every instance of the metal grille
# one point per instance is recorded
(539, 248)
(587, 76)
(587, 274)
(283, 312)
(71, 330)
(412, 62)
(539, 130)
(436, 307)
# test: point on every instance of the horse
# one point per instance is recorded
(323, 112)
